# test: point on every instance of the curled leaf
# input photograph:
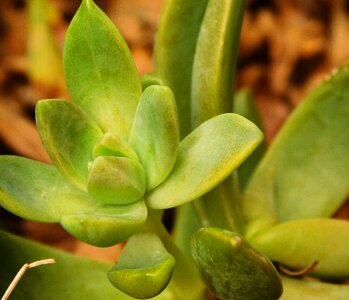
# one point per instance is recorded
(116, 180)
(144, 267)
(155, 134)
(232, 268)
(206, 157)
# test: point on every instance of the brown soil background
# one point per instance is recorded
(287, 47)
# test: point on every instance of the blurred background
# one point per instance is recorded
(286, 48)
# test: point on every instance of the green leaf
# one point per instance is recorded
(215, 59)
(174, 51)
(313, 290)
(305, 173)
(116, 180)
(149, 79)
(144, 267)
(111, 145)
(69, 136)
(232, 268)
(99, 69)
(37, 191)
(72, 277)
(245, 106)
(155, 134)
(298, 244)
(106, 226)
(206, 157)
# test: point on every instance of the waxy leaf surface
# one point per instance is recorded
(155, 134)
(206, 157)
(116, 180)
(298, 244)
(99, 69)
(71, 277)
(214, 61)
(69, 136)
(232, 268)
(106, 226)
(37, 191)
(174, 51)
(144, 267)
(305, 173)
(110, 145)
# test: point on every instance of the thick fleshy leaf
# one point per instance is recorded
(155, 134)
(245, 106)
(71, 277)
(116, 180)
(106, 226)
(69, 136)
(215, 59)
(99, 69)
(232, 268)
(305, 173)
(298, 244)
(206, 157)
(149, 79)
(37, 191)
(174, 51)
(313, 290)
(111, 145)
(144, 267)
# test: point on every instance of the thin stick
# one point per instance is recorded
(21, 272)
(298, 273)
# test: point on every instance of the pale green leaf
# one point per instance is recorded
(215, 59)
(111, 145)
(37, 191)
(149, 79)
(206, 157)
(231, 268)
(106, 226)
(144, 267)
(71, 277)
(116, 180)
(69, 136)
(99, 69)
(174, 51)
(298, 244)
(307, 289)
(155, 134)
(305, 173)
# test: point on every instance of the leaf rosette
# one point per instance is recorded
(116, 149)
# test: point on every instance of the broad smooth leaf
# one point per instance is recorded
(206, 157)
(99, 69)
(116, 180)
(155, 134)
(71, 277)
(37, 191)
(149, 79)
(174, 51)
(298, 244)
(111, 145)
(244, 105)
(106, 226)
(215, 59)
(69, 136)
(313, 290)
(305, 173)
(232, 268)
(144, 267)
